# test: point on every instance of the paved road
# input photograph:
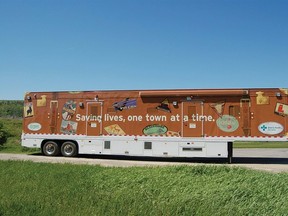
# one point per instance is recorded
(260, 153)
(272, 160)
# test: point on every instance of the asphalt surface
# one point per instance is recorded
(271, 160)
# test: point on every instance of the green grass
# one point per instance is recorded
(63, 189)
(13, 128)
(260, 145)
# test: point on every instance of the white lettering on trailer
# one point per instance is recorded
(198, 118)
(155, 117)
(147, 117)
(174, 118)
(108, 117)
(202, 118)
(135, 118)
(80, 117)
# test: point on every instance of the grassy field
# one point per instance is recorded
(13, 128)
(62, 189)
(260, 145)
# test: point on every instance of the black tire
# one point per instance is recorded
(69, 149)
(50, 148)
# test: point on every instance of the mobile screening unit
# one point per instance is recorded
(157, 123)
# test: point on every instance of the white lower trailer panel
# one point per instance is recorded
(135, 146)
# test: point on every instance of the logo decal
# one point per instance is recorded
(270, 128)
(34, 126)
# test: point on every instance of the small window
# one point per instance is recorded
(192, 149)
(147, 145)
(107, 144)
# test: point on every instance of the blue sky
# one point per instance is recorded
(56, 45)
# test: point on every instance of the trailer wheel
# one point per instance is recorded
(50, 148)
(69, 149)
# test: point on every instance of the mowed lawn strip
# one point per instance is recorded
(29, 188)
(260, 144)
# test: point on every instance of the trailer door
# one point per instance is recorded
(192, 121)
(94, 119)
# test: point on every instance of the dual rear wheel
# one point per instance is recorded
(52, 148)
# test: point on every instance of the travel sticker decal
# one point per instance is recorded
(68, 127)
(41, 102)
(173, 133)
(114, 129)
(281, 109)
(155, 129)
(75, 92)
(125, 104)
(69, 110)
(270, 128)
(261, 99)
(227, 123)
(164, 106)
(28, 110)
(218, 108)
(284, 90)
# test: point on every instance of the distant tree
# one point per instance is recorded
(3, 135)
(11, 109)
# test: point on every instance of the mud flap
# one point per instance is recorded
(230, 151)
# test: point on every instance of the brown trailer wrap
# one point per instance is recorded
(176, 123)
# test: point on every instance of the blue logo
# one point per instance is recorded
(264, 127)
(270, 128)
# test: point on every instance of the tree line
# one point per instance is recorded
(11, 109)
